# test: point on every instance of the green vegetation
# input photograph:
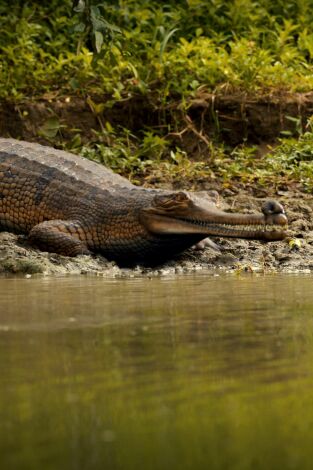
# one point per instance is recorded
(171, 48)
(288, 162)
(167, 53)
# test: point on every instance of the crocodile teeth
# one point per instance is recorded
(230, 227)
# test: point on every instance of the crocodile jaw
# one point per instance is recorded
(257, 227)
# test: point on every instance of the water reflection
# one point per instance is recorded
(189, 372)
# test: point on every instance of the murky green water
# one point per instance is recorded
(185, 373)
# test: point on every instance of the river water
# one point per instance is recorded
(191, 372)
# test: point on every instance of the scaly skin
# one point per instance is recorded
(69, 205)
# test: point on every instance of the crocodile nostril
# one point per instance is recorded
(271, 207)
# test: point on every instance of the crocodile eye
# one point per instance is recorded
(181, 197)
(170, 201)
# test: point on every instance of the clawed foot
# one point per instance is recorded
(207, 242)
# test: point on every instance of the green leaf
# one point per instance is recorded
(98, 40)
(79, 6)
(79, 28)
(165, 41)
(99, 23)
(95, 12)
(74, 83)
(50, 128)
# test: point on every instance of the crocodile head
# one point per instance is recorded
(180, 214)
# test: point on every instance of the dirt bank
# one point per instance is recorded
(295, 254)
(233, 118)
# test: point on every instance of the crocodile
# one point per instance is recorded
(70, 205)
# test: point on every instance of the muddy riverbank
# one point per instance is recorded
(295, 254)
(232, 118)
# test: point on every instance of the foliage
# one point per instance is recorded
(154, 159)
(288, 162)
(143, 46)
(293, 158)
(169, 52)
(92, 23)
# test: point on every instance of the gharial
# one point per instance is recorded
(70, 205)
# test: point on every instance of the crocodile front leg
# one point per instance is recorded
(59, 236)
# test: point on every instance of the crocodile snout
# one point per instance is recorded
(274, 213)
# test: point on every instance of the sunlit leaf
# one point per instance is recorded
(98, 40)
(295, 243)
